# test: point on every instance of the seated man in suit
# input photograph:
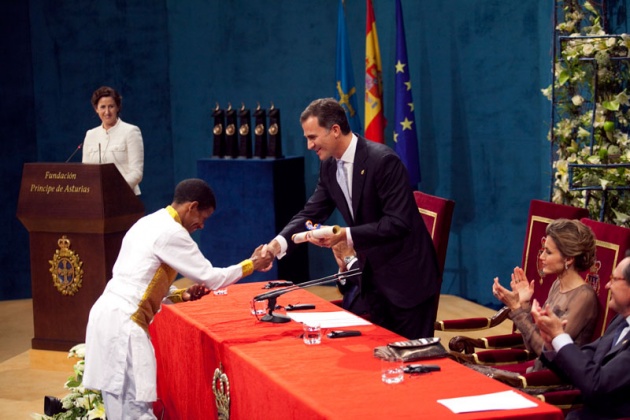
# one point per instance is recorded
(600, 370)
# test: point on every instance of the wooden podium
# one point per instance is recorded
(76, 215)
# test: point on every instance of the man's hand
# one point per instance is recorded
(332, 240)
(195, 292)
(269, 252)
(549, 325)
(340, 251)
(262, 262)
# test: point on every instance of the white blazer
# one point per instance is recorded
(121, 145)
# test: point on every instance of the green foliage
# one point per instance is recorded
(591, 114)
(80, 403)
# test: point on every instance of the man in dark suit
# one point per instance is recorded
(600, 370)
(394, 249)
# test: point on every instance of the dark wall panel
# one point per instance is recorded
(476, 70)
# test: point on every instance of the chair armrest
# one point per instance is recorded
(468, 345)
(470, 324)
(494, 357)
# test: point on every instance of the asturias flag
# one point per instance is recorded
(346, 90)
(374, 118)
(405, 137)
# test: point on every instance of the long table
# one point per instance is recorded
(272, 374)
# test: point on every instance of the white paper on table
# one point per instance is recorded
(506, 400)
(329, 319)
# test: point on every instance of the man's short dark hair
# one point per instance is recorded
(195, 189)
(328, 113)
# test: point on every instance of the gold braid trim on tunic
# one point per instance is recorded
(158, 288)
(152, 299)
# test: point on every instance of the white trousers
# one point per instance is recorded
(125, 406)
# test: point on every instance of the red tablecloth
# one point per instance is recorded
(274, 375)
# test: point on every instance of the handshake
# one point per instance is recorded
(263, 257)
(323, 236)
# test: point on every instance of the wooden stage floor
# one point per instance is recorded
(27, 375)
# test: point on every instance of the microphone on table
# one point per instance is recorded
(271, 297)
(75, 152)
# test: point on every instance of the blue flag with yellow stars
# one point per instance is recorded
(346, 90)
(405, 136)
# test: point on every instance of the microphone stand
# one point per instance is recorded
(272, 296)
(75, 152)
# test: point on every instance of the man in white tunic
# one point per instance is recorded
(119, 360)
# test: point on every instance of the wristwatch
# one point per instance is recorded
(348, 261)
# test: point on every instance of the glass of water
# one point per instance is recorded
(312, 333)
(392, 370)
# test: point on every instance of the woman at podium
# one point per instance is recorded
(114, 141)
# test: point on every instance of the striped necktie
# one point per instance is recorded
(342, 179)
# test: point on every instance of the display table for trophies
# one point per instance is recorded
(76, 215)
(256, 198)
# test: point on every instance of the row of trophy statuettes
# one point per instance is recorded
(233, 135)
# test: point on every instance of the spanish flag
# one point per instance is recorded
(374, 117)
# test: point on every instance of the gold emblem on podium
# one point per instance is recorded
(221, 390)
(243, 130)
(65, 268)
(273, 129)
(218, 129)
(230, 130)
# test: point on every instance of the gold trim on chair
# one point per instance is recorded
(534, 219)
(430, 214)
(615, 248)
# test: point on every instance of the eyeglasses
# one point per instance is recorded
(614, 279)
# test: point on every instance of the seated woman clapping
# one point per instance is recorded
(568, 250)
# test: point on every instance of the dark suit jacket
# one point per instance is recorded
(600, 372)
(393, 245)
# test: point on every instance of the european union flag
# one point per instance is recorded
(405, 136)
(346, 90)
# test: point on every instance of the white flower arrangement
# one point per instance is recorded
(591, 102)
(80, 403)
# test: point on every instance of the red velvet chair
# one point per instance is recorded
(437, 213)
(510, 346)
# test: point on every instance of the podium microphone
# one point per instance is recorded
(75, 152)
(272, 296)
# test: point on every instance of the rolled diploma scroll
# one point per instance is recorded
(322, 232)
